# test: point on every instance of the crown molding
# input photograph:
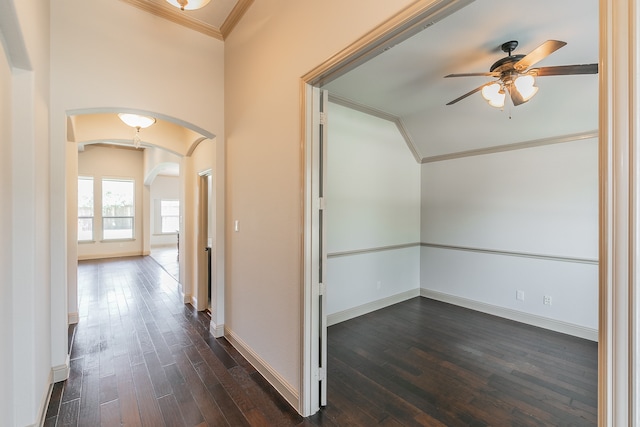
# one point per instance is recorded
(172, 14)
(234, 17)
(515, 146)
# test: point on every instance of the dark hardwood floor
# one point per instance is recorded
(141, 357)
(423, 362)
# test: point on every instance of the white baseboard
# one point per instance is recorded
(351, 313)
(109, 255)
(285, 389)
(42, 412)
(216, 330)
(518, 316)
(73, 318)
(61, 372)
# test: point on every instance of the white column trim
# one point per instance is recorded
(619, 220)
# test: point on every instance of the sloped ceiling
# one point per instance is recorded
(407, 81)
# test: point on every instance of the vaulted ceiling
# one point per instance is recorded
(407, 80)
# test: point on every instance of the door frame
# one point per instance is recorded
(619, 183)
(208, 225)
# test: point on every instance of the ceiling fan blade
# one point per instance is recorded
(563, 70)
(538, 54)
(493, 74)
(516, 97)
(460, 98)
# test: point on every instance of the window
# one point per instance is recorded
(117, 209)
(170, 216)
(85, 209)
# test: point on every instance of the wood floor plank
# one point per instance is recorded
(69, 411)
(90, 401)
(170, 411)
(110, 414)
(73, 385)
(108, 388)
(207, 405)
(126, 391)
(148, 409)
(161, 385)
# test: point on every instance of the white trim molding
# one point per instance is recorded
(283, 387)
(73, 318)
(61, 372)
(619, 350)
(216, 330)
(44, 404)
(172, 14)
(591, 261)
(369, 307)
(371, 250)
(518, 316)
(583, 136)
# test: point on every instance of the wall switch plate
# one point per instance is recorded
(546, 300)
(520, 295)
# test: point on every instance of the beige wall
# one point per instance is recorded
(276, 43)
(110, 162)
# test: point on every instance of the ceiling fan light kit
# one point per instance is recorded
(516, 76)
(494, 94)
(188, 4)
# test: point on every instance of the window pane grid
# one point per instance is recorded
(85, 209)
(117, 209)
(170, 216)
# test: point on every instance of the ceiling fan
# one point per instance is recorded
(517, 78)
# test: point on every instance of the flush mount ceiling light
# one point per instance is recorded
(188, 4)
(138, 122)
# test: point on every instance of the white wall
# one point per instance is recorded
(111, 162)
(164, 187)
(541, 201)
(372, 207)
(25, 290)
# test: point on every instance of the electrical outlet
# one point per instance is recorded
(546, 300)
(520, 295)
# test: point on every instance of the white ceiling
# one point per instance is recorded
(407, 81)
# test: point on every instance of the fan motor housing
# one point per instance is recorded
(505, 63)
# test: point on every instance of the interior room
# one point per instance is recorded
(434, 189)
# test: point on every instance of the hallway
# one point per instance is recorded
(142, 357)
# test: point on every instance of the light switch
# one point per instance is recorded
(236, 225)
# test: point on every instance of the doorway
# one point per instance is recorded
(205, 240)
(353, 56)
